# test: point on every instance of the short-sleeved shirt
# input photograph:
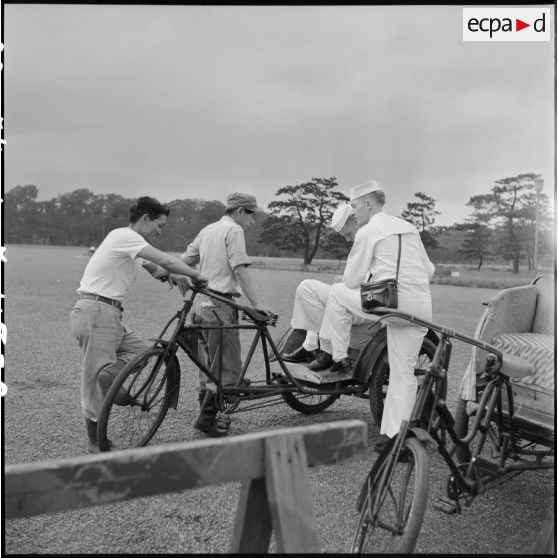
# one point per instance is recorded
(114, 265)
(373, 256)
(219, 248)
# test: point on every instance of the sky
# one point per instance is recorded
(199, 101)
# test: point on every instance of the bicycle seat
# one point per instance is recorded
(255, 316)
(515, 367)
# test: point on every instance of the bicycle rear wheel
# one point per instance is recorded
(393, 501)
(150, 381)
(309, 404)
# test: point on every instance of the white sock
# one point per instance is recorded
(311, 341)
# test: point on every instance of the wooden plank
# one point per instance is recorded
(77, 482)
(289, 496)
(252, 528)
(302, 372)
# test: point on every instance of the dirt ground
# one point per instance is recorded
(42, 420)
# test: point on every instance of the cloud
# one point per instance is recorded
(195, 101)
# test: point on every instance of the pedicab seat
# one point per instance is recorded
(520, 322)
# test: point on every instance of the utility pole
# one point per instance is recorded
(538, 188)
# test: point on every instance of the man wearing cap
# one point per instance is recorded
(311, 295)
(220, 251)
(374, 254)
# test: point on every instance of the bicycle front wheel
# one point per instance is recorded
(150, 380)
(393, 502)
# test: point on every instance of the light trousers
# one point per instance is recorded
(404, 341)
(106, 344)
(210, 311)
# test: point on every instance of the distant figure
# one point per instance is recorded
(92, 250)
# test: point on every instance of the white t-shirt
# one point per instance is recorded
(114, 265)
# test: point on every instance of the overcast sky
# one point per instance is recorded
(198, 101)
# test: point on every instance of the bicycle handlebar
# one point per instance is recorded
(383, 313)
(251, 313)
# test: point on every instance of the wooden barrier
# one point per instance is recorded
(272, 465)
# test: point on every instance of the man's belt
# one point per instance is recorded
(105, 299)
(226, 295)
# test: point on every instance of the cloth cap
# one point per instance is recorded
(247, 201)
(340, 216)
(363, 189)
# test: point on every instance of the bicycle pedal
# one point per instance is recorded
(449, 508)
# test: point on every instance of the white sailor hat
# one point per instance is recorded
(340, 216)
(363, 189)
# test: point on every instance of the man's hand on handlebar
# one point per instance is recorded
(265, 311)
(183, 282)
(201, 281)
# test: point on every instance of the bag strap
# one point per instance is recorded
(398, 258)
(398, 261)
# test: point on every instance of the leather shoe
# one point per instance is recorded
(382, 443)
(301, 355)
(321, 362)
(404, 454)
(342, 367)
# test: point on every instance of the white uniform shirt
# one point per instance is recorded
(114, 265)
(219, 248)
(374, 252)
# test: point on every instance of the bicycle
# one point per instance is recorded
(151, 380)
(393, 497)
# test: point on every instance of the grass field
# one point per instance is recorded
(489, 276)
(42, 420)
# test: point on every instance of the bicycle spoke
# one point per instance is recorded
(392, 513)
(149, 386)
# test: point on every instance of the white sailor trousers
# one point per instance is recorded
(404, 342)
(309, 305)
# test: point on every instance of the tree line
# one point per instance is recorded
(501, 223)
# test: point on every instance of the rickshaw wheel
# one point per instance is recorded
(379, 377)
(491, 447)
(309, 404)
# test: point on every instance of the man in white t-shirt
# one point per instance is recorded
(96, 319)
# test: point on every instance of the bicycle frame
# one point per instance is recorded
(270, 386)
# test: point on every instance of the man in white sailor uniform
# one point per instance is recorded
(374, 257)
(311, 295)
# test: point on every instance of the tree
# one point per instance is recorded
(422, 214)
(336, 244)
(298, 221)
(21, 213)
(477, 231)
(514, 214)
(78, 219)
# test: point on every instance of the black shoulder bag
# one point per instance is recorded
(381, 293)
